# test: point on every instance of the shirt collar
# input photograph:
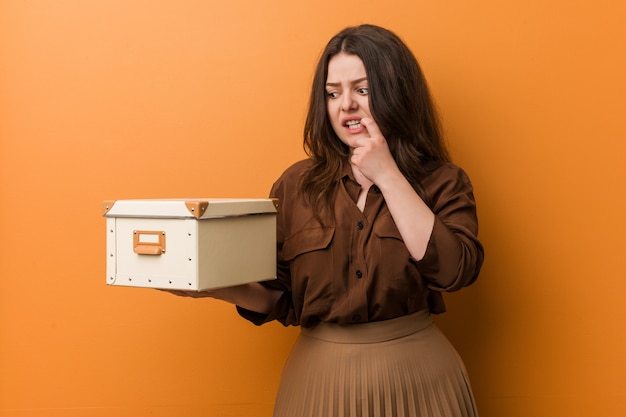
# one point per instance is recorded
(346, 172)
(349, 183)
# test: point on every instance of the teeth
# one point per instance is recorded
(353, 124)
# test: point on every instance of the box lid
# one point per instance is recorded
(199, 208)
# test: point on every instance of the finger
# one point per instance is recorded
(178, 293)
(371, 126)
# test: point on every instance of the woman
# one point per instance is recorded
(373, 227)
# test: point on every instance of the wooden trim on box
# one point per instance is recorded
(276, 203)
(197, 208)
(107, 205)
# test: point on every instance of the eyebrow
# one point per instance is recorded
(358, 80)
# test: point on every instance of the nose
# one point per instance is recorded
(348, 102)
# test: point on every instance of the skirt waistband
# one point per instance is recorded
(373, 332)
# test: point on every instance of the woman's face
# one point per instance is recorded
(347, 96)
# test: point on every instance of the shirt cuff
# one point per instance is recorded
(441, 261)
(279, 313)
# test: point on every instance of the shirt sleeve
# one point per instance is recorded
(454, 254)
(282, 307)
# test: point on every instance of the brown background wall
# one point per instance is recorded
(149, 99)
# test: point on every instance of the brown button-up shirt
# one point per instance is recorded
(354, 267)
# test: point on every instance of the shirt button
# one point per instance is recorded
(356, 317)
(359, 274)
(359, 225)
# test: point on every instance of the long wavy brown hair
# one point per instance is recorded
(400, 103)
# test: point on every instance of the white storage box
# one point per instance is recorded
(187, 244)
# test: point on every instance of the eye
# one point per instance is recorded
(363, 91)
(332, 94)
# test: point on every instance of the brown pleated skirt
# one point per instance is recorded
(403, 367)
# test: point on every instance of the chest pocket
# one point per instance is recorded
(392, 247)
(386, 228)
(307, 241)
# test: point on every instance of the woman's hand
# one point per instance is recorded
(253, 296)
(194, 294)
(371, 156)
